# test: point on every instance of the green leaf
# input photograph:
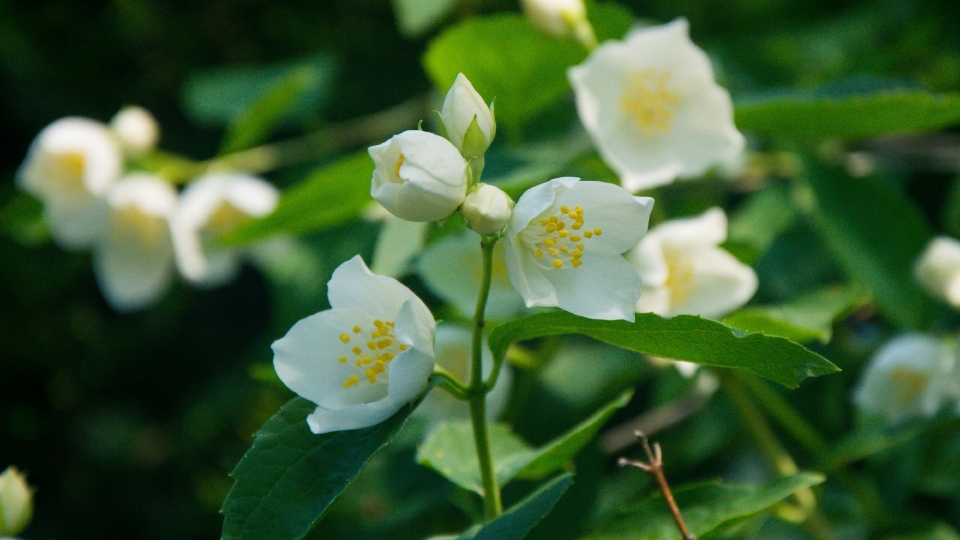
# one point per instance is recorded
(221, 96)
(288, 478)
(683, 337)
(704, 508)
(330, 196)
(876, 234)
(808, 318)
(256, 123)
(819, 116)
(609, 19)
(22, 219)
(507, 58)
(450, 450)
(763, 216)
(516, 522)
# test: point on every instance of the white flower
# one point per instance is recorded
(136, 129)
(565, 243)
(652, 108)
(912, 375)
(133, 259)
(453, 351)
(210, 207)
(938, 269)
(684, 271)
(364, 358)
(16, 502)
(452, 269)
(419, 176)
(487, 209)
(461, 108)
(70, 166)
(561, 18)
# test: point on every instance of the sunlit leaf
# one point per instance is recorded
(704, 508)
(683, 337)
(329, 197)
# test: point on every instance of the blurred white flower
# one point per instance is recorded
(136, 129)
(652, 107)
(398, 242)
(461, 108)
(487, 209)
(452, 269)
(453, 349)
(70, 166)
(133, 258)
(938, 269)
(419, 176)
(564, 247)
(684, 271)
(561, 18)
(16, 502)
(912, 375)
(210, 207)
(363, 359)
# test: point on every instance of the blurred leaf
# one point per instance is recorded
(288, 478)
(506, 59)
(819, 115)
(876, 233)
(255, 124)
(866, 441)
(417, 17)
(398, 243)
(221, 96)
(763, 216)
(610, 20)
(704, 507)
(328, 197)
(450, 450)
(808, 318)
(516, 522)
(938, 531)
(683, 337)
(22, 219)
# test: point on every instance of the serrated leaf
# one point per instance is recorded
(876, 234)
(808, 318)
(820, 115)
(683, 337)
(330, 196)
(704, 508)
(288, 478)
(220, 96)
(515, 523)
(450, 450)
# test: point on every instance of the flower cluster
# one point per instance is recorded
(97, 195)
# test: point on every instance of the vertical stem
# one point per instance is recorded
(478, 392)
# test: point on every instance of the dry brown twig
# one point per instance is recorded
(654, 466)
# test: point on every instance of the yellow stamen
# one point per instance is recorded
(356, 329)
(557, 263)
(343, 359)
(344, 338)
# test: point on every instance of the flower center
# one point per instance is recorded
(680, 279)
(224, 219)
(371, 358)
(910, 385)
(396, 170)
(142, 228)
(649, 101)
(553, 244)
(69, 169)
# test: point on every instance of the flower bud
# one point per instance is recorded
(419, 176)
(16, 502)
(938, 269)
(468, 122)
(487, 209)
(136, 129)
(561, 18)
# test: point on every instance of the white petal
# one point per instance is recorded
(604, 288)
(649, 261)
(722, 284)
(76, 222)
(398, 243)
(353, 286)
(709, 228)
(622, 217)
(415, 325)
(536, 200)
(526, 275)
(654, 300)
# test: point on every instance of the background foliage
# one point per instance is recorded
(129, 425)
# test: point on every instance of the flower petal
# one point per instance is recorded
(604, 288)
(722, 284)
(354, 286)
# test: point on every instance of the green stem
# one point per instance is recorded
(450, 383)
(478, 392)
(788, 418)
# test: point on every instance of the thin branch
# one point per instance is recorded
(654, 466)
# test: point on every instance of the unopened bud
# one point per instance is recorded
(487, 209)
(938, 269)
(467, 120)
(561, 18)
(16, 502)
(136, 129)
